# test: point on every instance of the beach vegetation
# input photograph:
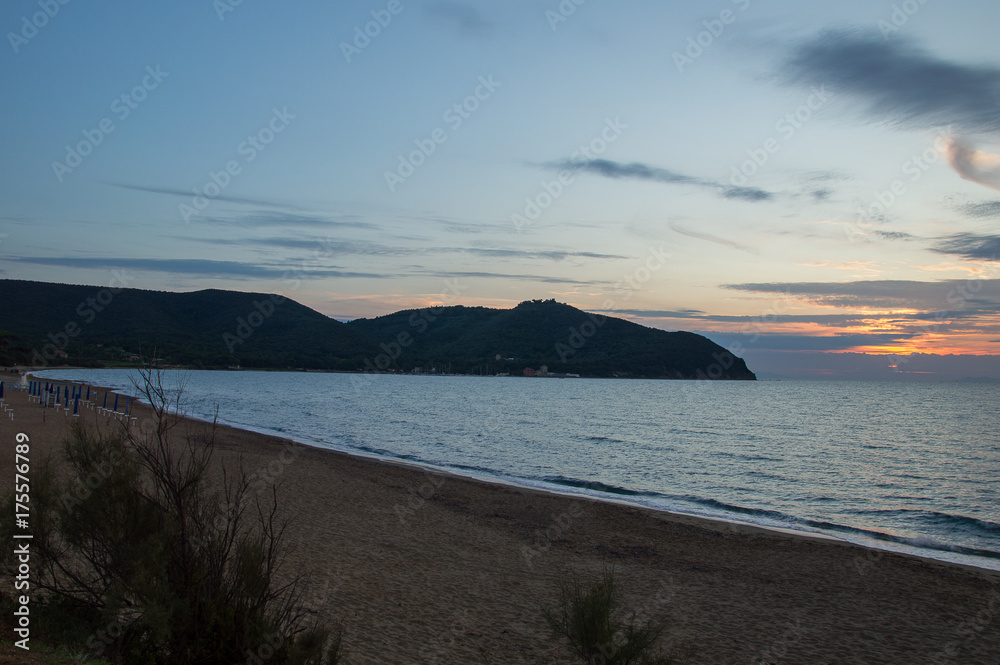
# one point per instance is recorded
(590, 618)
(144, 551)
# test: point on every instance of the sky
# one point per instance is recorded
(814, 185)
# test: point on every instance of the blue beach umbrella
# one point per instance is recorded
(116, 402)
(76, 405)
(88, 393)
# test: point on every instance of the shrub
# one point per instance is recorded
(138, 552)
(596, 628)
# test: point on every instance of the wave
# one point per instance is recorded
(596, 486)
(939, 519)
(919, 542)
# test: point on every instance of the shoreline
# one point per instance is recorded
(428, 566)
(945, 556)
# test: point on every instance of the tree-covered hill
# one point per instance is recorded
(210, 328)
(535, 333)
(53, 324)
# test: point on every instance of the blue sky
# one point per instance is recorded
(807, 182)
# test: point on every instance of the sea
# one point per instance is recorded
(907, 467)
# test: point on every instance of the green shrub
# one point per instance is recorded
(598, 631)
(136, 557)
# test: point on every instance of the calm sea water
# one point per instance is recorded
(902, 466)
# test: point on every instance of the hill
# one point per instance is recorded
(87, 325)
(52, 324)
(535, 333)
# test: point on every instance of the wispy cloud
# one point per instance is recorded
(980, 210)
(187, 194)
(552, 255)
(791, 342)
(970, 246)
(495, 275)
(264, 218)
(640, 171)
(896, 235)
(656, 313)
(711, 238)
(900, 82)
(944, 295)
(203, 267)
(336, 247)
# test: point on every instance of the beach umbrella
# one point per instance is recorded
(88, 393)
(105, 405)
(66, 395)
(1, 389)
(76, 405)
(116, 402)
(128, 405)
(57, 398)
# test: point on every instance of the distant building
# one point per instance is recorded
(529, 372)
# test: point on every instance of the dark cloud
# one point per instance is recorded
(656, 313)
(553, 255)
(640, 171)
(970, 246)
(188, 194)
(204, 267)
(321, 246)
(943, 296)
(980, 210)
(821, 194)
(466, 17)
(746, 194)
(494, 275)
(263, 218)
(333, 247)
(900, 82)
(783, 342)
(895, 235)
(711, 238)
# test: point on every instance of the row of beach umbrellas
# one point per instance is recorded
(52, 395)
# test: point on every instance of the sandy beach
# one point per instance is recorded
(426, 567)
